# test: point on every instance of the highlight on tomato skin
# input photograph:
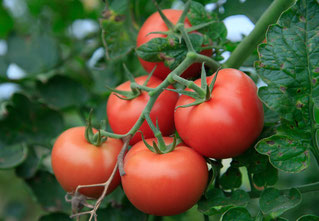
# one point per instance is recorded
(77, 162)
(123, 114)
(228, 123)
(164, 184)
(154, 23)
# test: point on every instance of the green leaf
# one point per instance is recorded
(124, 211)
(215, 201)
(6, 22)
(60, 92)
(48, 192)
(216, 31)
(33, 162)
(29, 122)
(289, 66)
(285, 153)
(58, 216)
(274, 203)
(308, 218)
(3, 66)
(60, 13)
(117, 39)
(237, 213)
(231, 179)
(255, 162)
(251, 8)
(169, 50)
(268, 177)
(12, 155)
(34, 54)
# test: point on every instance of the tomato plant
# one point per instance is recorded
(77, 162)
(53, 74)
(164, 184)
(123, 114)
(155, 23)
(228, 123)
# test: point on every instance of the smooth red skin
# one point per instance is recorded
(164, 184)
(227, 124)
(77, 162)
(123, 114)
(155, 23)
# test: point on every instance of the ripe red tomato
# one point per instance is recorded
(123, 114)
(77, 162)
(228, 123)
(164, 184)
(155, 23)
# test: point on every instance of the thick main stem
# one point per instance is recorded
(249, 44)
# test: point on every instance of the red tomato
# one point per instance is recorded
(164, 184)
(123, 114)
(77, 162)
(228, 123)
(155, 23)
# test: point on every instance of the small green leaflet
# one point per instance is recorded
(171, 50)
(216, 202)
(273, 202)
(289, 64)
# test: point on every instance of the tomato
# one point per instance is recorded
(155, 23)
(228, 123)
(77, 162)
(123, 114)
(164, 184)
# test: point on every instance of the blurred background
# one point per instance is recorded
(53, 70)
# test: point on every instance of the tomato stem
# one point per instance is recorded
(168, 23)
(120, 157)
(189, 84)
(157, 133)
(181, 29)
(181, 19)
(249, 44)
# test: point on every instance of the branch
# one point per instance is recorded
(99, 200)
(120, 157)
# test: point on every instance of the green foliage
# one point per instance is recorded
(172, 50)
(60, 91)
(251, 8)
(48, 192)
(38, 52)
(215, 201)
(65, 77)
(55, 216)
(308, 218)
(274, 203)
(12, 155)
(6, 22)
(239, 212)
(168, 50)
(231, 178)
(288, 64)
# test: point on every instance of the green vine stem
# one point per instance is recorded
(249, 44)
(303, 189)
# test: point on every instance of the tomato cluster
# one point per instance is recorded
(222, 126)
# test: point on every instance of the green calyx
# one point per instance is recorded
(200, 94)
(179, 29)
(160, 147)
(136, 89)
(90, 136)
